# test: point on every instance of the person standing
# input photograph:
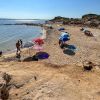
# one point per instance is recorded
(21, 43)
(18, 46)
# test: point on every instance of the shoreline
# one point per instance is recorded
(58, 56)
(12, 52)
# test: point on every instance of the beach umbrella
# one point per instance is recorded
(28, 44)
(38, 47)
(64, 36)
(38, 41)
(64, 39)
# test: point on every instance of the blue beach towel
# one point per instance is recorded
(42, 55)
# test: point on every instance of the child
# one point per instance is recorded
(21, 43)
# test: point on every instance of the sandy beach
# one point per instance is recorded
(87, 47)
(61, 76)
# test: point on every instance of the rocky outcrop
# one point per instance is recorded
(91, 20)
(4, 86)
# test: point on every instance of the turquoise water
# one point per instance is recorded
(9, 34)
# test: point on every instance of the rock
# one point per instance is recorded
(4, 86)
(4, 93)
(88, 66)
(6, 77)
(35, 77)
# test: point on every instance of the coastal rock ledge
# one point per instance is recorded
(44, 81)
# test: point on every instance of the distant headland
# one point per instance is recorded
(91, 20)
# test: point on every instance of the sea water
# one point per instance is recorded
(10, 34)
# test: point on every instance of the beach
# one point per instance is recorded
(87, 47)
(61, 76)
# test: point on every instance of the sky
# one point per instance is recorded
(47, 9)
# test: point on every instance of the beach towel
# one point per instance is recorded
(42, 55)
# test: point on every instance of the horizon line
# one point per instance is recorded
(5, 18)
(21, 19)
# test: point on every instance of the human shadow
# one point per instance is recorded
(69, 52)
(33, 58)
(67, 46)
(69, 49)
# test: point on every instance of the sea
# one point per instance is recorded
(10, 33)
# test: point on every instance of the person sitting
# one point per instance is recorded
(61, 43)
(82, 29)
(88, 33)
